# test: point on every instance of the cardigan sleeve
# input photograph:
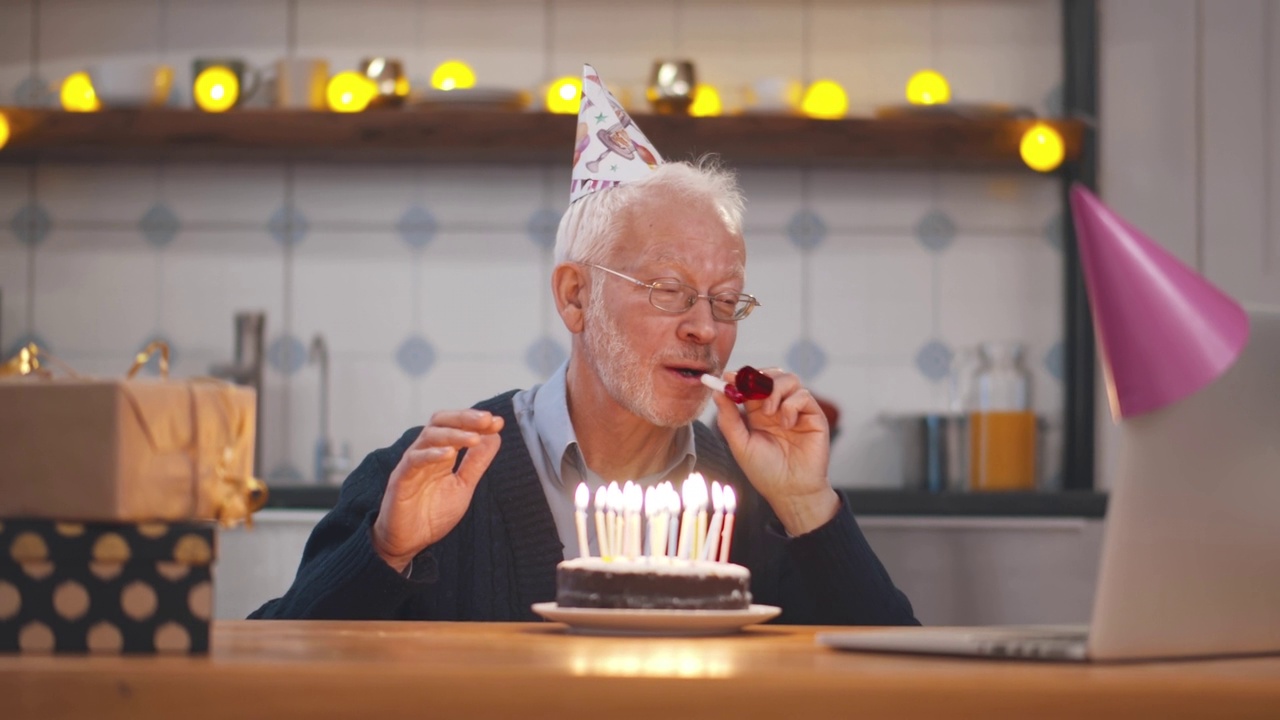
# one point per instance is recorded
(341, 576)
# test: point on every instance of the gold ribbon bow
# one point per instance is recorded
(237, 496)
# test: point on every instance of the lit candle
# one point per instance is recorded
(634, 499)
(611, 520)
(602, 537)
(726, 536)
(580, 500)
(689, 493)
(650, 520)
(673, 517)
(700, 536)
(711, 549)
(613, 504)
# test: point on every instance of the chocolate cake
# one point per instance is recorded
(652, 584)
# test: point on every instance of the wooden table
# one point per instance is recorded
(433, 670)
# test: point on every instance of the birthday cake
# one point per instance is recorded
(648, 583)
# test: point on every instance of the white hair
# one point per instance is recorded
(591, 224)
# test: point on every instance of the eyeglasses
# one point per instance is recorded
(673, 296)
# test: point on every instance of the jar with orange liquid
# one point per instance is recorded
(1002, 426)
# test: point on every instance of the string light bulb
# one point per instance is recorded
(564, 96)
(77, 94)
(350, 92)
(4, 130)
(453, 75)
(928, 87)
(825, 99)
(216, 89)
(1042, 148)
(706, 101)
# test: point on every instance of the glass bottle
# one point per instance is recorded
(1002, 426)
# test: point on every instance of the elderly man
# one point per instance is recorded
(466, 518)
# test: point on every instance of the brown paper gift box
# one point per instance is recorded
(125, 450)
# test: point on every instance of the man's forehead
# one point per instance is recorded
(666, 256)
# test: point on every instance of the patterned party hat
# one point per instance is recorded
(1164, 330)
(609, 148)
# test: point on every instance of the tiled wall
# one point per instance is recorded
(430, 282)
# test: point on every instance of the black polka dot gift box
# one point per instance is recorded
(105, 587)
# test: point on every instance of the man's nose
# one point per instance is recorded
(697, 324)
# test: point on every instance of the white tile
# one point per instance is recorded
(223, 196)
(620, 40)
(481, 295)
(774, 276)
(735, 42)
(346, 32)
(980, 203)
(370, 407)
(773, 196)
(94, 237)
(15, 46)
(356, 196)
(95, 195)
(489, 197)
(205, 283)
(361, 304)
(254, 31)
(511, 53)
(1001, 288)
(872, 297)
(871, 48)
(15, 279)
(460, 382)
(96, 303)
(15, 192)
(74, 34)
(879, 202)
(1001, 50)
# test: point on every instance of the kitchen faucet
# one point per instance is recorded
(330, 468)
(247, 369)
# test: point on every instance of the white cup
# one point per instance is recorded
(131, 83)
(300, 83)
(774, 95)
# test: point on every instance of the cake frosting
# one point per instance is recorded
(649, 583)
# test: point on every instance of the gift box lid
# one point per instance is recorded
(25, 540)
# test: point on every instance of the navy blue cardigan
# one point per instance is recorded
(501, 558)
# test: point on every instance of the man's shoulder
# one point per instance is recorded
(500, 404)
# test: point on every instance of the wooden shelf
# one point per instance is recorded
(457, 136)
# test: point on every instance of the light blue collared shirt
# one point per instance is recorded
(542, 413)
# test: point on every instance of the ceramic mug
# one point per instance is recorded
(248, 78)
(131, 83)
(299, 83)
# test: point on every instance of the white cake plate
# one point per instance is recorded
(595, 621)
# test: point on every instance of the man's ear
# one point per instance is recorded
(569, 287)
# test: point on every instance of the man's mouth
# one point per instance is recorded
(691, 372)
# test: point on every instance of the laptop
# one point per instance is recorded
(1191, 551)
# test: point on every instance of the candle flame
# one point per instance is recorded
(717, 497)
(615, 497)
(650, 501)
(673, 499)
(633, 497)
(602, 498)
(694, 491)
(582, 497)
(730, 499)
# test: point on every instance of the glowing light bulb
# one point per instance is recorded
(77, 94)
(706, 102)
(4, 130)
(350, 92)
(563, 97)
(453, 75)
(216, 89)
(825, 99)
(928, 87)
(1041, 148)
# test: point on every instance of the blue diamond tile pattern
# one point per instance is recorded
(1054, 230)
(22, 342)
(159, 225)
(417, 227)
(33, 92)
(288, 226)
(544, 356)
(934, 360)
(285, 475)
(806, 229)
(936, 230)
(30, 224)
(153, 364)
(1055, 361)
(806, 359)
(286, 354)
(542, 228)
(416, 356)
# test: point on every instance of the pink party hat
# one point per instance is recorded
(609, 148)
(1164, 331)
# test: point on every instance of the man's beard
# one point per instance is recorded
(626, 376)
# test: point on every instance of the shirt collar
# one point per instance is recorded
(555, 431)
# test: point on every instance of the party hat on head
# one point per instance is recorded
(1164, 331)
(609, 148)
